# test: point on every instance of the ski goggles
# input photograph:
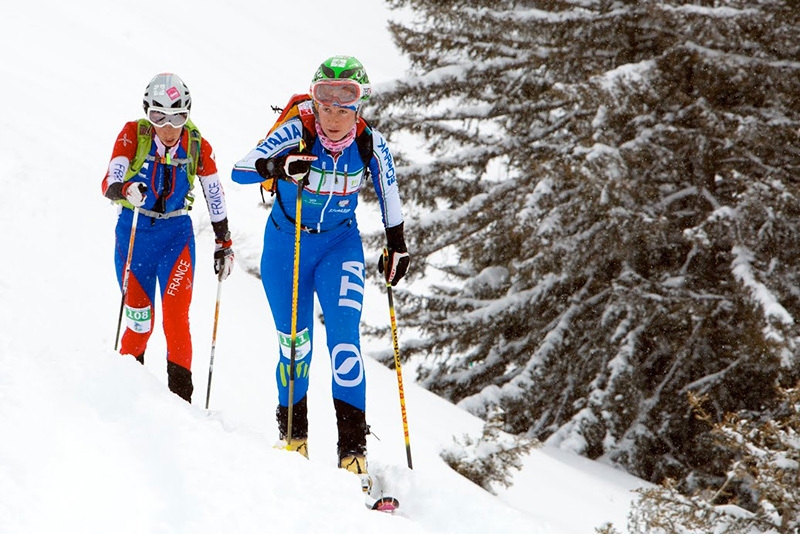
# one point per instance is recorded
(342, 93)
(160, 117)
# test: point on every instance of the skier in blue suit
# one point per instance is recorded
(341, 152)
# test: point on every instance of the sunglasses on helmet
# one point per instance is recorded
(342, 93)
(161, 117)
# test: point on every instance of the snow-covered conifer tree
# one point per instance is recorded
(606, 194)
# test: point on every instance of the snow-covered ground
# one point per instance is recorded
(91, 442)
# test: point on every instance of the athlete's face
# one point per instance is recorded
(169, 134)
(336, 122)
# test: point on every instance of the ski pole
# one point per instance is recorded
(397, 367)
(214, 339)
(126, 275)
(295, 289)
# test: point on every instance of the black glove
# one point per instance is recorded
(223, 250)
(271, 167)
(223, 259)
(293, 165)
(397, 260)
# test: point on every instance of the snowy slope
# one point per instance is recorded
(91, 442)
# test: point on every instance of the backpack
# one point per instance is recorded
(296, 107)
(144, 142)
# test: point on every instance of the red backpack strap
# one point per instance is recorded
(361, 125)
(309, 124)
(290, 111)
(364, 142)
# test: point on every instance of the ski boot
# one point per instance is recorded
(298, 445)
(179, 381)
(299, 440)
(358, 465)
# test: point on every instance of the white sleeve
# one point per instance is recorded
(288, 135)
(215, 197)
(117, 168)
(385, 181)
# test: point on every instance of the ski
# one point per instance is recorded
(382, 504)
(376, 499)
(385, 504)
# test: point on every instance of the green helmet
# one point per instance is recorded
(344, 68)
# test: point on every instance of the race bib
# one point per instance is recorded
(302, 344)
(138, 319)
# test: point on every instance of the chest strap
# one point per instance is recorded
(168, 215)
(164, 160)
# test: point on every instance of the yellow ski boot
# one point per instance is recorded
(358, 465)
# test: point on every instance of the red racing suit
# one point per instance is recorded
(164, 242)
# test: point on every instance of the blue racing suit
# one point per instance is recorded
(331, 254)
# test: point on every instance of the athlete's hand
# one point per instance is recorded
(294, 165)
(298, 166)
(135, 193)
(396, 258)
(223, 259)
(270, 167)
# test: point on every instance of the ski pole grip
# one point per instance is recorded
(298, 165)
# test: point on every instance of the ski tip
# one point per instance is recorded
(386, 504)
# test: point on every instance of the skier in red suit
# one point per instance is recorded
(153, 169)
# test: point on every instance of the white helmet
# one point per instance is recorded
(167, 91)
